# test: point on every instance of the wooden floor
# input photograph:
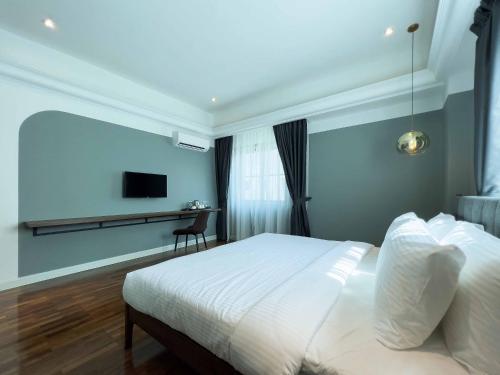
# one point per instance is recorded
(74, 325)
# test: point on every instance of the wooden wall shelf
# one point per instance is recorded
(109, 221)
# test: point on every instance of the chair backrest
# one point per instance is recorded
(200, 223)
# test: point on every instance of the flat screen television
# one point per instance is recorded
(144, 185)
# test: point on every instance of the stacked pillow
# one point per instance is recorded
(416, 281)
(441, 224)
(441, 270)
(472, 324)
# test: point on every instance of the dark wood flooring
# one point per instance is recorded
(74, 325)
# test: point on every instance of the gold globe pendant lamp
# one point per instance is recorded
(413, 142)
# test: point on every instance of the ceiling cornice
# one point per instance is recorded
(452, 21)
(384, 93)
(349, 108)
(45, 71)
(49, 83)
(352, 107)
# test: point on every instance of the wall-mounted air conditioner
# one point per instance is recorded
(190, 142)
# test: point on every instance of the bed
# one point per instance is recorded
(273, 304)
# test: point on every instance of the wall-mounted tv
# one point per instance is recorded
(144, 185)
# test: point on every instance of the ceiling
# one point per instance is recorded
(254, 56)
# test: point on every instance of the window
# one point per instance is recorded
(263, 175)
(259, 200)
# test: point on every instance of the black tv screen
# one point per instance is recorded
(144, 185)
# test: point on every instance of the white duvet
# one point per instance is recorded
(276, 304)
(256, 303)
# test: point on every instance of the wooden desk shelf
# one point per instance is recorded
(110, 221)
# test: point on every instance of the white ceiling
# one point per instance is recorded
(254, 56)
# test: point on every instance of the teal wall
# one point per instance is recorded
(71, 166)
(459, 122)
(359, 182)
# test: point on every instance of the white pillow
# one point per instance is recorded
(399, 220)
(415, 284)
(441, 224)
(472, 324)
(440, 218)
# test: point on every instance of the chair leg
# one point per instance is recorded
(197, 247)
(204, 240)
(176, 240)
(185, 247)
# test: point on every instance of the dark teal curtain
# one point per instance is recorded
(487, 97)
(223, 154)
(291, 139)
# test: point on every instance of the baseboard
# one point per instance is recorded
(30, 279)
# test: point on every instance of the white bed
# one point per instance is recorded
(276, 304)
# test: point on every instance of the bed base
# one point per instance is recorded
(189, 351)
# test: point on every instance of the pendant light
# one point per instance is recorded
(415, 141)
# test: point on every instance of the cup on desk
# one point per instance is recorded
(197, 205)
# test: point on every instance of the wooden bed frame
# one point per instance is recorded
(189, 351)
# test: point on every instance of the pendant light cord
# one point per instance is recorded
(412, 72)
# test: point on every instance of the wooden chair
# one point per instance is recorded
(199, 226)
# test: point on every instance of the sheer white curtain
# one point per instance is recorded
(258, 196)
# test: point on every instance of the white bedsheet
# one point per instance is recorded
(276, 304)
(346, 342)
(256, 303)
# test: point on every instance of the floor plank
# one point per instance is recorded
(74, 325)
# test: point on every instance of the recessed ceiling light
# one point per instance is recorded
(214, 99)
(49, 23)
(389, 31)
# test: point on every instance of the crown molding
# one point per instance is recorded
(453, 19)
(45, 82)
(385, 95)
(387, 99)
(427, 99)
(460, 81)
(374, 102)
(46, 68)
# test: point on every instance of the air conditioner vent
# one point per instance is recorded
(190, 142)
